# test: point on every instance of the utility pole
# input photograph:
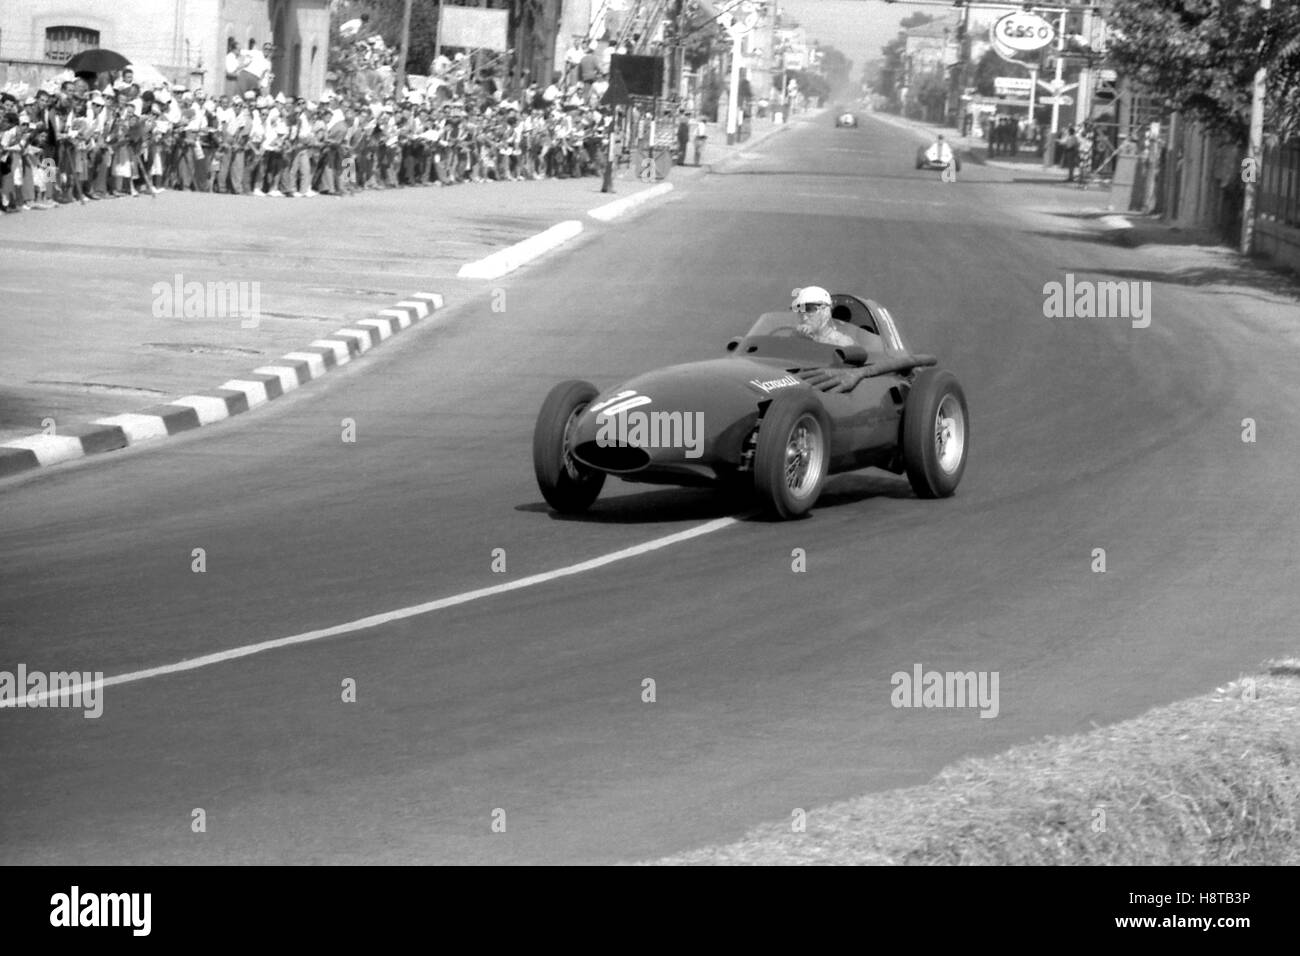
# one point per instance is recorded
(400, 86)
(1083, 94)
(732, 99)
(1060, 79)
(1058, 87)
(785, 97)
(963, 62)
(674, 68)
(1256, 151)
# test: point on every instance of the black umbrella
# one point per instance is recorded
(97, 61)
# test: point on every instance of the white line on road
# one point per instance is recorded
(387, 617)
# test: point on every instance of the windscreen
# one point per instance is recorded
(769, 321)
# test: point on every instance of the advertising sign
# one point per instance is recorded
(473, 28)
(1012, 85)
(1020, 33)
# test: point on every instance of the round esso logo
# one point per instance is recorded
(1022, 32)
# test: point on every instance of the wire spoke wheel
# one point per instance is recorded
(950, 434)
(567, 484)
(792, 456)
(936, 429)
(803, 456)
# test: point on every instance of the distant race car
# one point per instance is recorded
(748, 423)
(932, 157)
(846, 118)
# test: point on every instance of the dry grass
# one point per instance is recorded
(1211, 780)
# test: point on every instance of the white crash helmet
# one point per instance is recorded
(810, 295)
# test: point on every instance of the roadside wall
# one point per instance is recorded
(1200, 186)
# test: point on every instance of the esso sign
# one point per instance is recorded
(1022, 32)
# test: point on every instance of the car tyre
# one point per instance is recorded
(792, 458)
(936, 433)
(568, 486)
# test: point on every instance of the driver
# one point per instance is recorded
(939, 151)
(813, 303)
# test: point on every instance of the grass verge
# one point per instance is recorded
(1210, 780)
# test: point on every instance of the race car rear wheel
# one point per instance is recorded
(793, 455)
(567, 485)
(935, 433)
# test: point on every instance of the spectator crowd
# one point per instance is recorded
(81, 141)
(1085, 151)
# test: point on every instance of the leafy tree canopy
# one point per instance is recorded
(1201, 57)
(836, 67)
(989, 67)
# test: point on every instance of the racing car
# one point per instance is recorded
(846, 118)
(748, 423)
(937, 156)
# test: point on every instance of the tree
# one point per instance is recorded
(836, 67)
(702, 36)
(891, 70)
(384, 17)
(990, 66)
(812, 85)
(1201, 57)
(891, 73)
(702, 39)
(532, 28)
(932, 94)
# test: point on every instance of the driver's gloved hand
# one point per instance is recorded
(832, 379)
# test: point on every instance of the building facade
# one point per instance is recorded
(185, 40)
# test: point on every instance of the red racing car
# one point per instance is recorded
(748, 422)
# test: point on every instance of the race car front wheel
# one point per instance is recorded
(567, 485)
(793, 455)
(935, 433)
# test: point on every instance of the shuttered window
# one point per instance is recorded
(63, 43)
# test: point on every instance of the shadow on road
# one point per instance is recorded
(1235, 279)
(664, 505)
(1095, 238)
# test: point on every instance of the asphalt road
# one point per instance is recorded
(772, 688)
